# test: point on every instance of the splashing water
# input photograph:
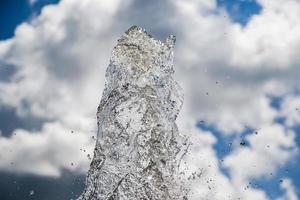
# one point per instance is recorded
(139, 149)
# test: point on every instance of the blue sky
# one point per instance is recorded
(13, 13)
(240, 11)
(271, 183)
(239, 83)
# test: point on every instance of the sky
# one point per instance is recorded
(237, 61)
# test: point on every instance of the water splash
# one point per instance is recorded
(139, 148)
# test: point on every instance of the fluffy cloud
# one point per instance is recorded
(290, 110)
(229, 73)
(290, 193)
(55, 58)
(270, 148)
(206, 180)
(226, 76)
(59, 63)
(46, 152)
(271, 39)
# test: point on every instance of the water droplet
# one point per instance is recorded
(242, 143)
(31, 192)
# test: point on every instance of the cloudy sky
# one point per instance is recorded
(237, 60)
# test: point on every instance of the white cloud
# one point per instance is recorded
(290, 110)
(60, 62)
(270, 148)
(271, 39)
(213, 49)
(290, 193)
(210, 182)
(227, 73)
(46, 152)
